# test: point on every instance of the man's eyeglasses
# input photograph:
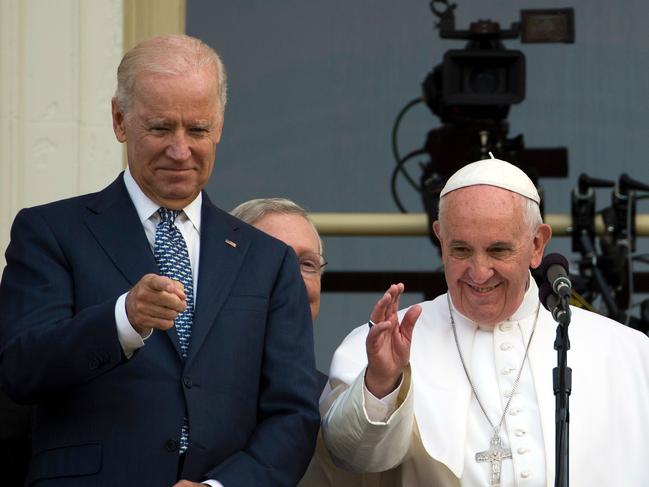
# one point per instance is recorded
(311, 263)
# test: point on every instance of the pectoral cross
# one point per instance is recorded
(495, 456)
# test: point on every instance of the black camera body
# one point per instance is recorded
(472, 91)
(481, 81)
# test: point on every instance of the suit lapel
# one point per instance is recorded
(222, 253)
(115, 224)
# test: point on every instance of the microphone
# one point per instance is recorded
(552, 302)
(554, 269)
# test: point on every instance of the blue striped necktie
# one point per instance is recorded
(170, 252)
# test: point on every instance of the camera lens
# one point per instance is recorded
(484, 81)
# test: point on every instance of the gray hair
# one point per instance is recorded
(531, 212)
(168, 55)
(254, 210)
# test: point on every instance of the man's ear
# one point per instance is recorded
(437, 231)
(541, 239)
(118, 122)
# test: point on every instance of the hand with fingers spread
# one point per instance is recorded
(388, 342)
(155, 302)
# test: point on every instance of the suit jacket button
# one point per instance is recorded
(188, 382)
(172, 445)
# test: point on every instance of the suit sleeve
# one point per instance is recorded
(282, 444)
(46, 345)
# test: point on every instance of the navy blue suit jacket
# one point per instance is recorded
(247, 385)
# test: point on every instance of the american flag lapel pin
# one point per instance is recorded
(231, 243)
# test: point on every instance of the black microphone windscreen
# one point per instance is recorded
(545, 295)
(553, 259)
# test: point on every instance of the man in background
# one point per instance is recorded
(160, 340)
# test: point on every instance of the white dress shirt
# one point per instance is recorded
(189, 224)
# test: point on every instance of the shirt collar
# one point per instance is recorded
(146, 207)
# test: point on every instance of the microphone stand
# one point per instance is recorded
(562, 380)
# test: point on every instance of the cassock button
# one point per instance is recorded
(522, 450)
(172, 445)
(526, 474)
(505, 326)
(507, 370)
(187, 381)
(520, 432)
(505, 346)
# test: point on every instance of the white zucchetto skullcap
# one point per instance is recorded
(493, 172)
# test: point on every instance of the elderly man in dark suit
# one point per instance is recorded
(162, 341)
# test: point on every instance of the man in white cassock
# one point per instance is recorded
(465, 397)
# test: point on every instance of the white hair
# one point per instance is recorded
(531, 212)
(254, 210)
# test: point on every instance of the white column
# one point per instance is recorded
(57, 75)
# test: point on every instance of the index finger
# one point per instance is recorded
(378, 311)
(179, 288)
(384, 306)
(164, 283)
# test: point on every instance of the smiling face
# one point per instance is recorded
(487, 249)
(171, 132)
(296, 232)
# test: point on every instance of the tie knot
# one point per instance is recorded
(167, 215)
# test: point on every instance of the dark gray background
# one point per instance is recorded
(315, 87)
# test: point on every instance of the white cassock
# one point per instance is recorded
(437, 429)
